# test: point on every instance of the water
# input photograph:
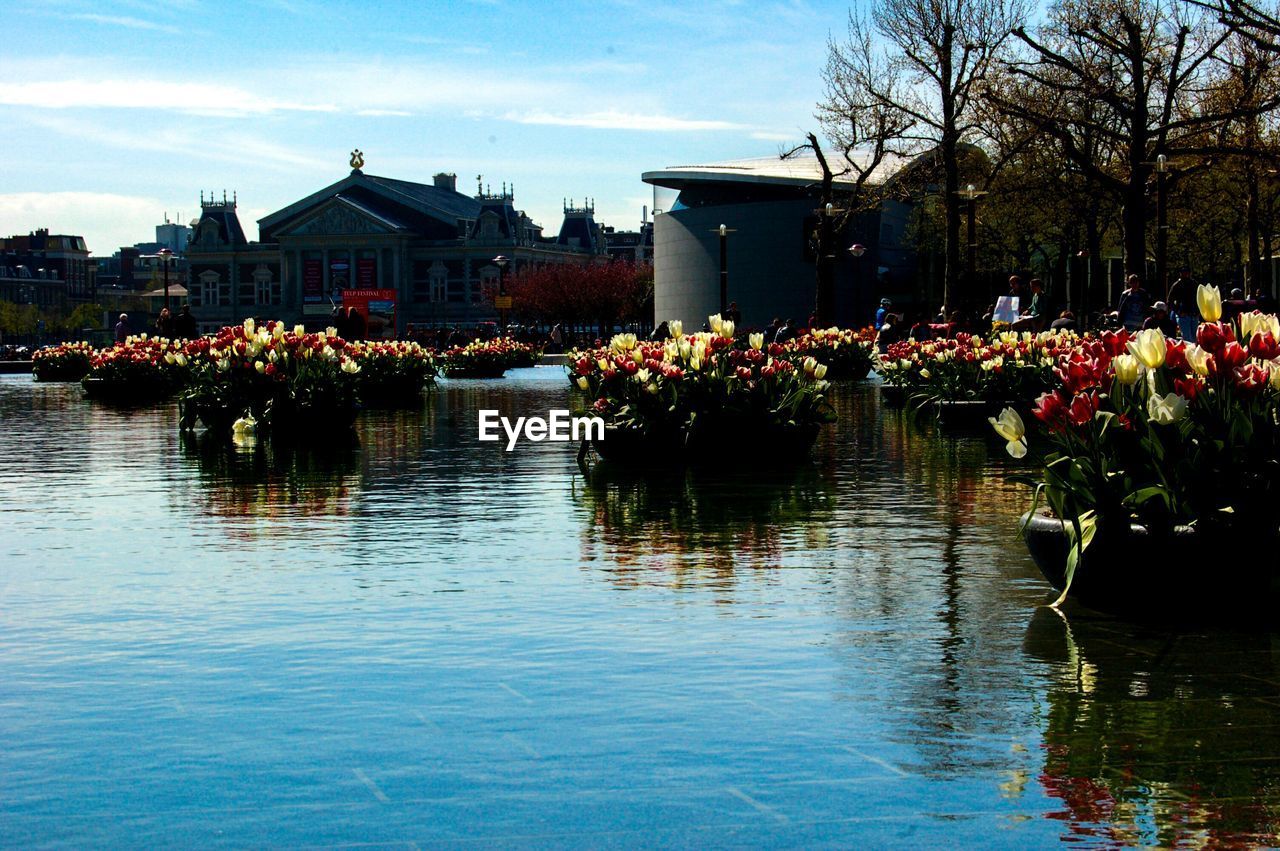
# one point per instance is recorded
(424, 640)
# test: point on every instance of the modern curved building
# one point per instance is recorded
(771, 206)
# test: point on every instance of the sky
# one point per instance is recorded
(114, 113)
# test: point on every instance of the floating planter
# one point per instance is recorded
(139, 371)
(289, 383)
(63, 362)
(1163, 458)
(486, 358)
(848, 354)
(698, 398)
(392, 374)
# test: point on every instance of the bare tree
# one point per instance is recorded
(1142, 78)
(938, 52)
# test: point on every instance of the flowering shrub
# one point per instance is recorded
(140, 369)
(394, 371)
(63, 362)
(1007, 367)
(486, 358)
(700, 386)
(1164, 433)
(282, 379)
(847, 353)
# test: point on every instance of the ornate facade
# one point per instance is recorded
(432, 245)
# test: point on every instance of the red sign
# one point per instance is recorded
(377, 307)
(312, 282)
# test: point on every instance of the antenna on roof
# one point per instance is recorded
(479, 184)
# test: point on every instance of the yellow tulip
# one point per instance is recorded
(1127, 369)
(676, 327)
(1010, 427)
(1149, 348)
(1198, 358)
(820, 371)
(1209, 300)
(756, 340)
(714, 322)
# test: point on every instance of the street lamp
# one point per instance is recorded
(501, 262)
(856, 251)
(1162, 225)
(971, 194)
(165, 256)
(724, 232)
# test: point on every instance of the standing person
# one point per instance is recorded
(1182, 304)
(733, 314)
(890, 332)
(883, 312)
(557, 339)
(122, 328)
(184, 325)
(1033, 313)
(164, 324)
(1133, 304)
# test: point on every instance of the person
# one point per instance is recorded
(890, 332)
(164, 323)
(920, 330)
(1159, 318)
(557, 339)
(1182, 304)
(885, 304)
(662, 333)
(1032, 316)
(1066, 321)
(771, 333)
(184, 324)
(122, 328)
(1015, 288)
(1234, 306)
(1263, 301)
(733, 314)
(1133, 304)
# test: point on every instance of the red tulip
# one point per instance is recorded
(1082, 409)
(1264, 346)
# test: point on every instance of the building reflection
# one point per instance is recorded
(1160, 739)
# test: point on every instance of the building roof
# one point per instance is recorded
(799, 171)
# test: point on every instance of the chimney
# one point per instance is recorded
(446, 180)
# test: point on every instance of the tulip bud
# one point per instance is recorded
(756, 340)
(259, 366)
(820, 371)
(583, 384)
(676, 327)
(1126, 368)
(1209, 300)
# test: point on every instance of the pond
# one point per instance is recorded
(421, 639)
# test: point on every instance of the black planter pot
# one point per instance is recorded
(893, 395)
(1144, 575)
(637, 447)
(965, 413)
(126, 394)
(722, 443)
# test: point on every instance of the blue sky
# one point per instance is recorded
(113, 112)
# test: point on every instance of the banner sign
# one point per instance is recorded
(366, 273)
(378, 307)
(312, 282)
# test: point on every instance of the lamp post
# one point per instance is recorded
(1162, 226)
(501, 262)
(165, 256)
(971, 194)
(724, 232)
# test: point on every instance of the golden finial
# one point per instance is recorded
(357, 159)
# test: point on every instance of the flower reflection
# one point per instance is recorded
(1160, 739)
(699, 527)
(244, 479)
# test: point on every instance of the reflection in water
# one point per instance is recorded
(664, 527)
(268, 481)
(1160, 739)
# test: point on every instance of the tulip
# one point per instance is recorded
(1209, 300)
(756, 340)
(1149, 348)
(820, 371)
(1263, 345)
(1013, 430)
(1200, 361)
(350, 367)
(299, 330)
(714, 322)
(726, 329)
(277, 330)
(583, 384)
(259, 366)
(676, 327)
(810, 365)
(1252, 322)
(642, 375)
(1275, 378)
(1126, 368)
(245, 425)
(1167, 409)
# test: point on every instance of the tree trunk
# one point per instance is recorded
(1254, 228)
(1135, 228)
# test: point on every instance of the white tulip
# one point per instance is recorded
(676, 327)
(1167, 409)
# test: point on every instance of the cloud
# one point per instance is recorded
(106, 220)
(126, 21)
(379, 113)
(148, 93)
(613, 120)
(771, 136)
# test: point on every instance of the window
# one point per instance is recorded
(487, 285)
(210, 290)
(267, 289)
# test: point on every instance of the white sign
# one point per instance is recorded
(1006, 309)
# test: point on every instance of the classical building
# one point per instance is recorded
(425, 247)
(769, 206)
